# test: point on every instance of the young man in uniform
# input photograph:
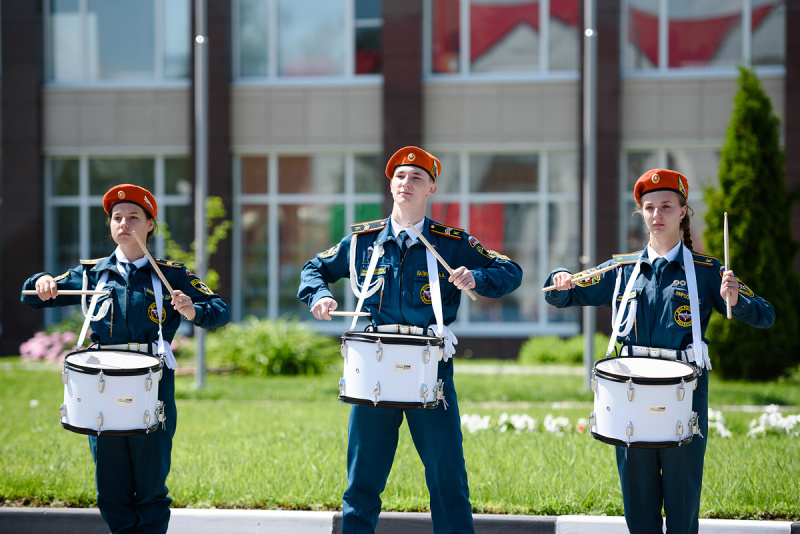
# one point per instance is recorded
(404, 298)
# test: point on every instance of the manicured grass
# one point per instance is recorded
(280, 443)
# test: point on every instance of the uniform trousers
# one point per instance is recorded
(131, 472)
(373, 436)
(671, 476)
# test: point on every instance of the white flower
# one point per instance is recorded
(475, 422)
(33, 403)
(556, 425)
(773, 422)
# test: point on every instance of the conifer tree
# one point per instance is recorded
(753, 191)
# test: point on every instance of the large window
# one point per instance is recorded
(686, 34)
(502, 37)
(117, 40)
(523, 205)
(306, 38)
(697, 164)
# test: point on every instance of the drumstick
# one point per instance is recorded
(71, 292)
(586, 276)
(438, 257)
(349, 313)
(152, 262)
(727, 265)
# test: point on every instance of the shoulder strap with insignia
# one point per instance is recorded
(169, 263)
(91, 262)
(447, 231)
(703, 259)
(630, 257)
(370, 226)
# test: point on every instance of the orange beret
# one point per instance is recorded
(660, 180)
(416, 157)
(130, 193)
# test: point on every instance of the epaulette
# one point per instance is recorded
(169, 263)
(91, 262)
(703, 259)
(447, 231)
(630, 257)
(370, 226)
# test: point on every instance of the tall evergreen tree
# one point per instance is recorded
(753, 190)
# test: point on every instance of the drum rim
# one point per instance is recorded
(390, 404)
(614, 377)
(642, 444)
(113, 433)
(391, 338)
(72, 366)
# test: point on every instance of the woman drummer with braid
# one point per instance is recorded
(138, 314)
(668, 296)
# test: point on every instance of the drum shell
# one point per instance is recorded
(654, 405)
(401, 371)
(128, 393)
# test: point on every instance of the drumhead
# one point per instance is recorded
(391, 338)
(112, 362)
(644, 370)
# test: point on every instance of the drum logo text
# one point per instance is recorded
(683, 316)
(657, 410)
(124, 401)
(402, 367)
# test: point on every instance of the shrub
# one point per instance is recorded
(55, 342)
(271, 347)
(563, 351)
(753, 190)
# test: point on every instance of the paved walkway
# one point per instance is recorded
(190, 521)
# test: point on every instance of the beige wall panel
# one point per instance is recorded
(683, 110)
(263, 117)
(479, 113)
(116, 119)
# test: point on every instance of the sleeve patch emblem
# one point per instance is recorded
(61, 276)
(330, 252)
(591, 281)
(201, 286)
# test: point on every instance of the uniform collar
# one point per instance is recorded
(672, 255)
(387, 233)
(396, 228)
(120, 256)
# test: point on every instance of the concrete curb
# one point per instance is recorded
(192, 521)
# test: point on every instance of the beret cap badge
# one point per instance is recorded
(121, 194)
(412, 156)
(656, 178)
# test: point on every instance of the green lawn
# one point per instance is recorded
(280, 443)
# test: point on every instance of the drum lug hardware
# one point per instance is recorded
(441, 353)
(148, 382)
(343, 349)
(681, 392)
(695, 425)
(629, 432)
(379, 351)
(160, 415)
(63, 411)
(594, 382)
(101, 385)
(64, 377)
(426, 354)
(99, 422)
(592, 420)
(377, 392)
(630, 390)
(423, 394)
(341, 386)
(146, 421)
(679, 430)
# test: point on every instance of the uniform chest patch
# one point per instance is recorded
(425, 294)
(152, 313)
(683, 316)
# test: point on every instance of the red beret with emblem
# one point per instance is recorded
(416, 157)
(130, 193)
(660, 180)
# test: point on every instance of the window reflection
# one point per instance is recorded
(308, 34)
(255, 260)
(505, 172)
(311, 174)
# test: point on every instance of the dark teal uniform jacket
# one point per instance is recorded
(131, 471)
(669, 477)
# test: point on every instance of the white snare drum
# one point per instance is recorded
(111, 392)
(643, 402)
(391, 370)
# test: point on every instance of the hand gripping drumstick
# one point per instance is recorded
(438, 257)
(583, 277)
(727, 266)
(348, 313)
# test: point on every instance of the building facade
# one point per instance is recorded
(308, 98)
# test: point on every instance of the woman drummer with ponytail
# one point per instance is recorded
(662, 298)
(131, 471)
